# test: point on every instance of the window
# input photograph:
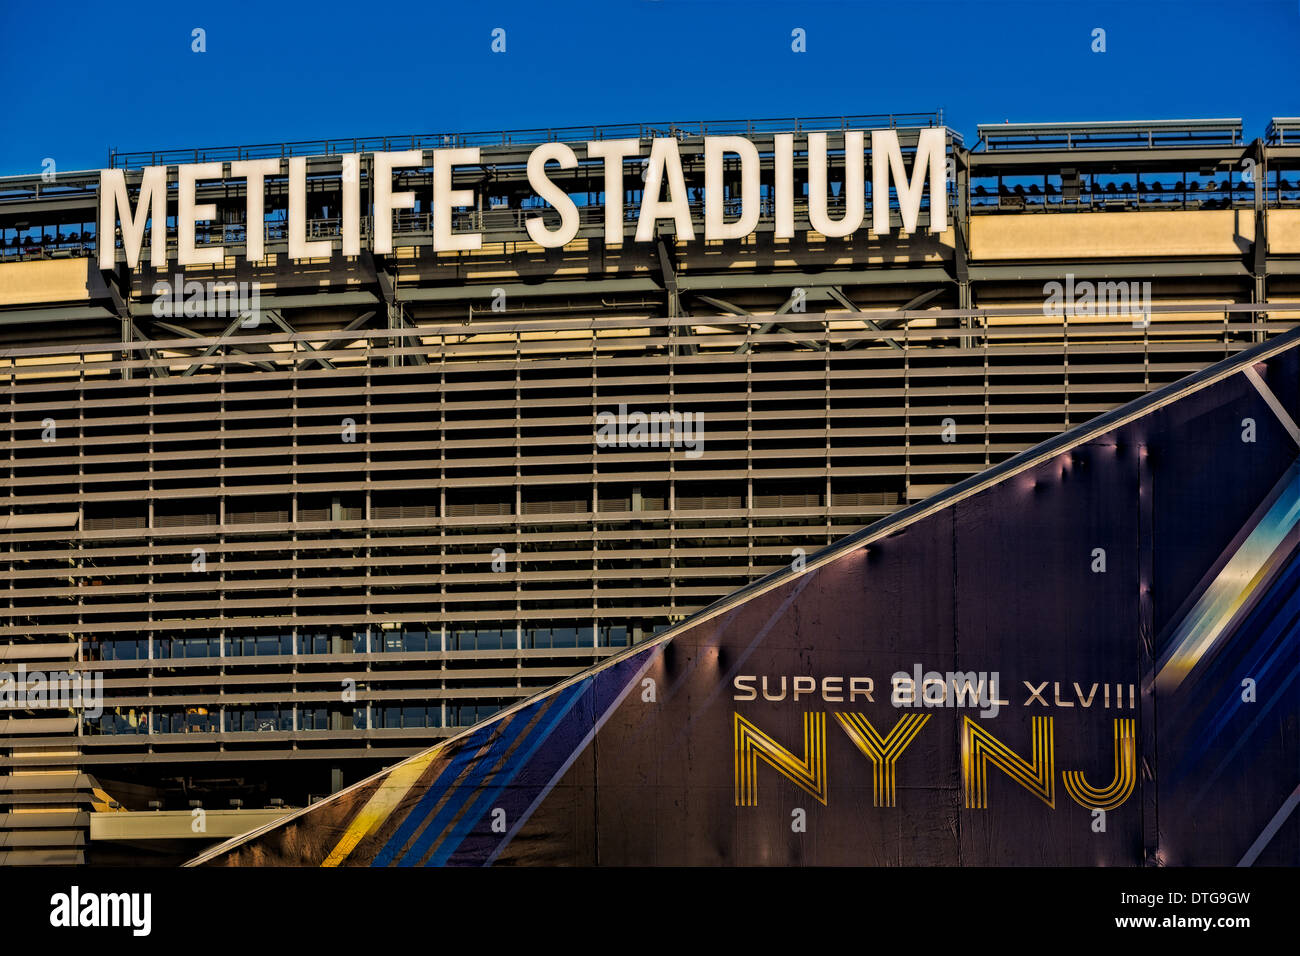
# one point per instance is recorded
(559, 636)
(254, 719)
(613, 635)
(120, 721)
(185, 720)
(313, 644)
(400, 640)
(404, 717)
(480, 639)
(132, 649)
(249, 645)
(465, 715)
(418, 641)
(189, 646)
(313, 718)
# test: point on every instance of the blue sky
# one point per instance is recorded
(84, 77)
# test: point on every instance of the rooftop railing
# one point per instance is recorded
(1284, 131)
(1132, 134)
(525, 137)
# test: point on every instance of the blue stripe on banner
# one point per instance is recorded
(1199, 635)
(1273, 625)
(461, 796)
(1278, 695)
(1271, 631)
(480, 807)
(633, 667)
(463, 755)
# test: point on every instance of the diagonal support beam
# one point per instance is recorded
(668, 275)
(157, 371)
(844, 300)
(766, 327)
(386, 280)
(725, 306)
(419, 358)
(115, 282)
(915, 303)
(284, 325)
(338, 343)
(190, 333)
(211, 349)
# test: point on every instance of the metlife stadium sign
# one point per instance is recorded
(664, 191)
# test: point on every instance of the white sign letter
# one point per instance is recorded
(783, 185)
(445, 199)
(351, 204)
(553, 194)
(887, 157)
(255, 171)
(715, 148)
(385, 199)
(151, 207)
(854, 191)
(299, 247)
(187, 254)
(613, 152)
(664, 160)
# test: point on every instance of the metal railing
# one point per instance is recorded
(500, 139)
(1280, 128)
(1134, 134)
(1278, 192)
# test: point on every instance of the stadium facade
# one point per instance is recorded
(1084, 656)
(417, 490)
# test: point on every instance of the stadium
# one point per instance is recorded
(312, 495)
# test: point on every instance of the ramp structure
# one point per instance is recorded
(1088, 655)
